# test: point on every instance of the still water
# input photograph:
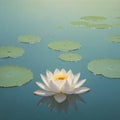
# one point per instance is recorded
(44, 18)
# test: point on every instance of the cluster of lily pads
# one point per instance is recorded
(13, 75)
(107, 67)
(66, 46)
(96, 22)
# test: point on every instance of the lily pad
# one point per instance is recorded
(11, 76)
(70, 57)
(107, 67)
(11, 51)
(30, 39)
(93, 18)
(79, 23)
(100, 26)
(64, 45)
(118, 18)
(114, 38)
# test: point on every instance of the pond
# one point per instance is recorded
(47, 21)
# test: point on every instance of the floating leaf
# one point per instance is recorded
(107, 67)
(118, 18)
(93, 18)
(11, 51)
(114, 38)
(31, 39)
(70, 57)
(11, 76)
(64, 45)
(100, 26)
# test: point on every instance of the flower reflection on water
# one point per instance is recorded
(52, 104)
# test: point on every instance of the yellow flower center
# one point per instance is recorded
(60, 77)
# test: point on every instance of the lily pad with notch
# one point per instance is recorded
(99, 26)
(108, 67)
(11, 51)
(30, 39)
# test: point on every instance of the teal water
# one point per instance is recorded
(42, 18)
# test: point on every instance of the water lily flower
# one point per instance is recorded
(59, 84)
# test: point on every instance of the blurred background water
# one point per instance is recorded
(43, 18)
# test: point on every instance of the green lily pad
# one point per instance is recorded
(11, 51)
(11, 76)
(99, 26)
(79, 23)
(70, 57)
(93, 18)
(64, 45)
(118, 18)
(107, 67)
(114, 38)
(30, 39)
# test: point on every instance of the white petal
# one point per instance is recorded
(59, 83)
(43, 93)
(63, 71)
(44, 80)
(69, 91)
(69, 72)
(53, 86)
(42, 86)
(79, 84)
(77, 90)
(65, 86)
(76, 77)
(70, 79)
(60, 97)
(82, 90)
(49, 75)
(56, 71)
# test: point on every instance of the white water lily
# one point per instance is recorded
(59, 84)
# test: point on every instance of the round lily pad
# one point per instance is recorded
(11, 76)
(30, 39)
(114, 38)
(11, 51)
(64, 45)
(107, 67)
(79, 23)
(99, 26)
(93, 18)
(70, 57)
